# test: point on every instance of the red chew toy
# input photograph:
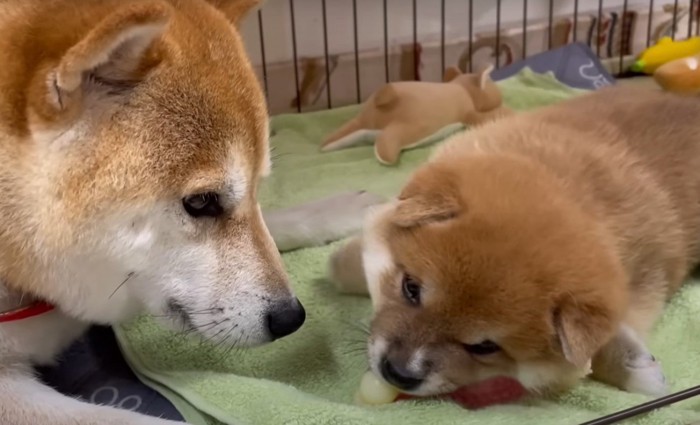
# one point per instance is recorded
(499, 390)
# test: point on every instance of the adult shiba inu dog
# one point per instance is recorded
(536, 247)
(133, 137)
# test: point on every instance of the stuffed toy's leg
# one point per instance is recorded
(391, 141)
(350, 134)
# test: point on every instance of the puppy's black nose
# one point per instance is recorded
(285, 318)
(400, 376)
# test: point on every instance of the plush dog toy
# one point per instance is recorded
(680, 76)
(407, 114)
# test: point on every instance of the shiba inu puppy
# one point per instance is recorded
(536, 248)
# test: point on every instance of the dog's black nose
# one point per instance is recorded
(285, 318)
(400, 376)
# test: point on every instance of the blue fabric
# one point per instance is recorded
(574, 65)
(93, 370)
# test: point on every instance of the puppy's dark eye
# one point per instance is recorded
(203, 205)
(483, 348)
(410, 287)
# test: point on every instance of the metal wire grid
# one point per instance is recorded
(469, 4)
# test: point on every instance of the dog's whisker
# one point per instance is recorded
(128, 276)
(212, 337)
(199, 328)
(223, 339)
(359, 326)
(205, 309)
(226, 351)
(198, 313)
(347, 350)
(176, 316)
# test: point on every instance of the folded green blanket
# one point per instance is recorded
(310, 377)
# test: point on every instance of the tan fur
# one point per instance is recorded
(116, 117)
(557, 234)
(207, 121)
(397, 111)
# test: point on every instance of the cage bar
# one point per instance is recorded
(386, 41)
(357, 52)
(623, 31)
(524, 29)
(261, 32)
(651, 15)
(498, 34)
(294, 54)
(325, 54)
(690, 18)
(442, 37)
(415, 41)
(575, 35)
(471, 34)
(550, 26)
(674, 22)
(599, 24)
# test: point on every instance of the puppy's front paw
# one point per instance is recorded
(346, 270)
(645, 376)
(626, 363)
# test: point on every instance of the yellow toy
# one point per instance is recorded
(665, 50)
(680, 76)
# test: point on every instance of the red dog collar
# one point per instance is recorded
(34, 309)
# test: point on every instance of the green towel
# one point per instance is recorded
(310, 377)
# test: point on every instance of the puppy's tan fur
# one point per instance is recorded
(558, 234)
(115, 116)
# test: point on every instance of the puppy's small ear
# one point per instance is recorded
(582, 329)
(236, 10)
(113, 53)
(429, 197)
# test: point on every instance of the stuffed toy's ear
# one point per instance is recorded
(484, 92)
(485, 77)
(236, 10)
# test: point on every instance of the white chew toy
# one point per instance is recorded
(375, 391)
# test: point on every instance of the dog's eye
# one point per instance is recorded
(203, 205)
(483, 348)
(411, 289)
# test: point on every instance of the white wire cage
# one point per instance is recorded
(318, 54)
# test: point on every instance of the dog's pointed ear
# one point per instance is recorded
(430, 197)
(113, 53)
(582, 328)
(236, 10)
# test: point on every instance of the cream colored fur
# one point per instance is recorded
(402, 115)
